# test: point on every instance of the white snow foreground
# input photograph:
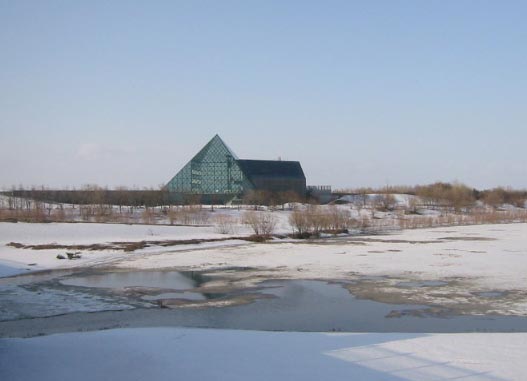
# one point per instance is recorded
(201, 354)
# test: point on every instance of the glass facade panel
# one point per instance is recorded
(212, 170)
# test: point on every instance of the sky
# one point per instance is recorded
(362, 93)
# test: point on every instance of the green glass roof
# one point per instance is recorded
(214, 150)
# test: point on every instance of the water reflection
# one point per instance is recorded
(173, 280)
(317, 306)
(298, 305)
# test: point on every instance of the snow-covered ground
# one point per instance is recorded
(200, 354)
(497, 252)
(86, 234)
(490, 256)
(469, 259)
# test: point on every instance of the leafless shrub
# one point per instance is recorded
(299, 221)
(315, 219)
(59, 215)
(103, 213)
(413, 205)
(148, 216)
(224, 224)
(474, 218)
(498, 196)
(339, 219)
(262, 223)
(192, 215)
(385, 202)
(172, 215)
(37, 214)
(364, 222)
(457, 196)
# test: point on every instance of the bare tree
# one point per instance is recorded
(122, 197)
(386, 202)
(256, 198)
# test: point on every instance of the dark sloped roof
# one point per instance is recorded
(271, 168)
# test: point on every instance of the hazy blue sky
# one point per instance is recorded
(363, 93)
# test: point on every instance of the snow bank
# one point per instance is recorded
(83, 234)
(88, 233)
(198, 354)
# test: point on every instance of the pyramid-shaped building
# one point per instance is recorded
(216, 172)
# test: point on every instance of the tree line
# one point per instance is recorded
(450, 195)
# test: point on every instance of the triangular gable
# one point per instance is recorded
(212, 170)
(214, 149)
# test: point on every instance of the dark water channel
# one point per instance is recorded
(296, 305)
(318, 306)
(289, 305)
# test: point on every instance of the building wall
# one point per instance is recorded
(208, 178)
(279, 184)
